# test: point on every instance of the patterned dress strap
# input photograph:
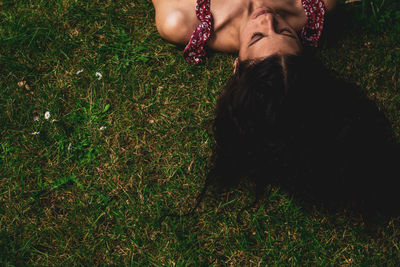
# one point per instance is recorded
(315, 13)
(194, 50)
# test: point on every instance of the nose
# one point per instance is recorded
(268, 21)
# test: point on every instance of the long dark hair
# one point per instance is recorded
(287, 120)
(251, 117)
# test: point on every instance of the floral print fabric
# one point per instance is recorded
(194, 50)
(315, 12)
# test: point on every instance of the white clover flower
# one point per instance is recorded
(21, 83)
(35, 133)
(79, 72)
(47, 115)
(102, 128)
(99, 75)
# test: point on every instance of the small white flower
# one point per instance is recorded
(102, 128)
(35, 133)
(79, 71)
(21, 83)
(47, 115)
(69, 146)
(99, 75)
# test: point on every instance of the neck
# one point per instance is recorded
(230, 16)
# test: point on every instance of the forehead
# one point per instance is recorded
(268, 46)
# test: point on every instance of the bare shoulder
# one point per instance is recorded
(330, 5)
(175, 19)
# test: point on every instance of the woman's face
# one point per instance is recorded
(266, 33)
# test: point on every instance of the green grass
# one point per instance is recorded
(117, 152)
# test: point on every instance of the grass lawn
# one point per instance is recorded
(129, 137)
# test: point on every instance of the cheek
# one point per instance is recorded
(246, 31)
(243, 46)
(241, 54)
(242, 36)
(298, 49)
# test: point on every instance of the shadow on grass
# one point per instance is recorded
(343, 156)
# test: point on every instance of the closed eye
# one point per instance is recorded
(257, 36)
(287, 33)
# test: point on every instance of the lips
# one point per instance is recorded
(261, 12)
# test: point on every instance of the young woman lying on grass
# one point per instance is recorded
(282, 118)
(268, 35)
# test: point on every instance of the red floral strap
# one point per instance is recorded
(194, 50)
(315, 12)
